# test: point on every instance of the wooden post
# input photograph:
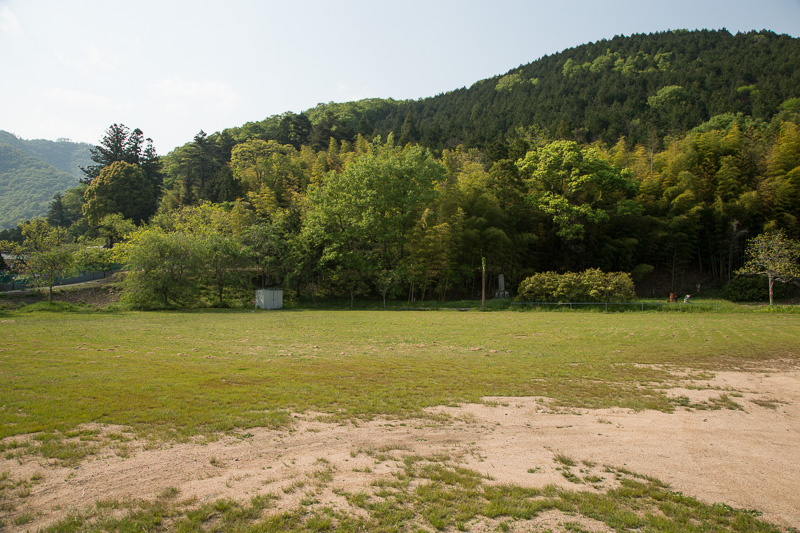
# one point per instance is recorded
(483, 284)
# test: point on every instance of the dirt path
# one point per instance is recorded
(747, 458)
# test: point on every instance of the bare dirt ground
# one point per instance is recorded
(747, 458)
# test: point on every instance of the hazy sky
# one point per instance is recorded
(173, 67)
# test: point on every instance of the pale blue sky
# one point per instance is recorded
(173, 67)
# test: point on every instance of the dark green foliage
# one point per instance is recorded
(120, 188)
(634, 86)
(121, 144)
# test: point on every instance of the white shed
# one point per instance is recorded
(269, 299)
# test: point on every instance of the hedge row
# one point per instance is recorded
(592, 285)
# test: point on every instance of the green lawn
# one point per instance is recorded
(201, 372)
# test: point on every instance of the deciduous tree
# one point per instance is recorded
(47, 258)
(162, 267)
(577, 189)
(774, 256)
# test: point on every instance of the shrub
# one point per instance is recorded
(592, 285)
(752, 289)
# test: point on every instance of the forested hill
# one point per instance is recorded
(642, 87)
(32, 171)
(63, 154)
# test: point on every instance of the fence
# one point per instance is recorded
(17, 284)
(636, 306)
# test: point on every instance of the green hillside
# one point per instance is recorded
(27, 184)
(642, 87)
(65, 155)
(32, 171)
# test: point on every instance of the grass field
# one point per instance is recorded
(189, 373)
(176, 375)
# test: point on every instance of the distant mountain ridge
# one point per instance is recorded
(641, 87)
(63, 154)
(32, 171)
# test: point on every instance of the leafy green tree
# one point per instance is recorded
(592, 285)
(670, 104)
(408, 131)
(88, 259)
(266, 246)
(222, 258)
(213, 241)
(294, 129)
(432, 253)
(363, 216)
(46, 258)
(47, 267)
(162, 268)
(577, 189)
(120, 188)
(259, 164)
(774, 256)
(114, 228)
(57, 213)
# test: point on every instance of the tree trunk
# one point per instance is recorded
(771, 284)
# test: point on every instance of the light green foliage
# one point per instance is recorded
(668, 96)
(40, 236)
(783, 167)
(265, 245)
(266, 165)
(591, 285)
(43, 256)
(222, 257)
(363, 217)
(162, 267)
(774, 256)
(46, 268)
(182, 254)
(508, 82)
(114, 227)
(637, 63)
(576, 187)
(657, 185)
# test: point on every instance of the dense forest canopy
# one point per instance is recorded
(642, 87)
(658, 155)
